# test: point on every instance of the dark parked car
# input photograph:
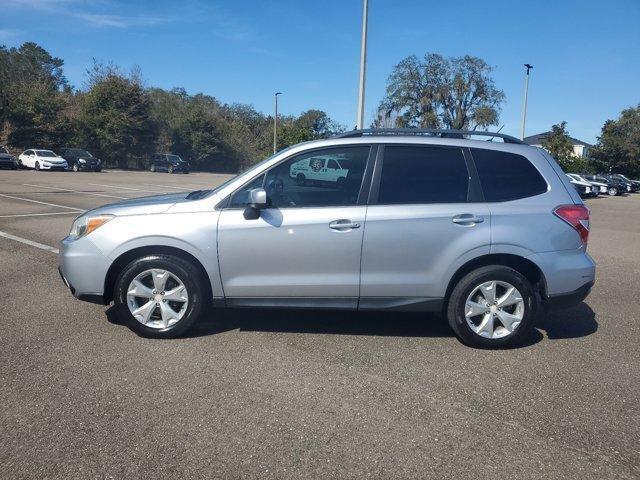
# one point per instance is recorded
(634, 184)
(614, 186)
(622, 182)
(79, 159)
(7, 160)
(167, 162)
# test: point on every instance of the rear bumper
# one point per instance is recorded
(565, 300)
(566, 272)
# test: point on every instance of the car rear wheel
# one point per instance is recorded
(492, 307)
(159, 296)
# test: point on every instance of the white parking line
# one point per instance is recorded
(37, 214)
(29, 242)
(125, 188)
(41, 203)
(75, 191)
(169, 186)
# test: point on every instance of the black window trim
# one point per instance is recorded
(362, 194)
(474, 192)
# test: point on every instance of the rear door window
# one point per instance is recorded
(423, 174)
(507, 176)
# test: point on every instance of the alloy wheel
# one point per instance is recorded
(157, 298)
(494, 309)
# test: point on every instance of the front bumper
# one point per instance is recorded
(83, 269)
(53, 167)
(89, 166)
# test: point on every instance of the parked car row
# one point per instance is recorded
(612, 184)
(78, 159)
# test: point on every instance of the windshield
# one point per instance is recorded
(3, 150)
(45, 153)
(80, 153)
(174, 158)
(246, 173)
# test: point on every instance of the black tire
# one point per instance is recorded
(185, 271)
(152, 169)
(457, 302)
(75, 167)
(301, 179)
(612, 191)
(37, 165)
(170, 169)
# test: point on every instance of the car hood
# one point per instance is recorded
(52, 159)
(5, 156)
(578, 182)
(143, 205)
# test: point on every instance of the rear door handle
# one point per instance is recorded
(467, 219)
(343, 224)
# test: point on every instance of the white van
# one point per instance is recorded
(319, 169)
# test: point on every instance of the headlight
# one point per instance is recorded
(82, 160)
(86, 224)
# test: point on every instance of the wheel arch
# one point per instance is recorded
(127, 257)
(526, 267)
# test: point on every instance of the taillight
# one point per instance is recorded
(577, 216)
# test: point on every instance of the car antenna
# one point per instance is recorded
(488, 140)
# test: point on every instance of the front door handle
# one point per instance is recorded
(467, 219)
(343, 224)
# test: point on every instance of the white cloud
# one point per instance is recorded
(119, 21)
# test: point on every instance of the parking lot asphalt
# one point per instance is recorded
(297, 394)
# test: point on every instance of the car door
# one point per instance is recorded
(420, 224)
(305, 248)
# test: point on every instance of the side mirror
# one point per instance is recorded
(257, 201)
(258, 198)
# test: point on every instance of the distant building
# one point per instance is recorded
(580, 148)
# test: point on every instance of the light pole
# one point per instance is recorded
(363, 66)
(275, 125)
(524, 100)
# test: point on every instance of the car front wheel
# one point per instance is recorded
(613, 191)
(159, 296)
(492, 307)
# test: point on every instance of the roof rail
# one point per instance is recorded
(427, 131)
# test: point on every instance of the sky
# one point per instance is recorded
(586, 54)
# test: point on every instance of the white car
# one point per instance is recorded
(320, 169)
(598, 187)
(42, 160)
(584, 188)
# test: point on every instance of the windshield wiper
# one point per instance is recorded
(197, 194)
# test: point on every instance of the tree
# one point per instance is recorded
(115, 117)
(558, 144)
(33, 97)
(310, 125)
(435, 92)
(618, 147)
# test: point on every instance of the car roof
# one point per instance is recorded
(519, 148)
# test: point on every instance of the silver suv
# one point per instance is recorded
(423, 220)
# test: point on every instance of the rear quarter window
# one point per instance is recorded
(507, 176)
